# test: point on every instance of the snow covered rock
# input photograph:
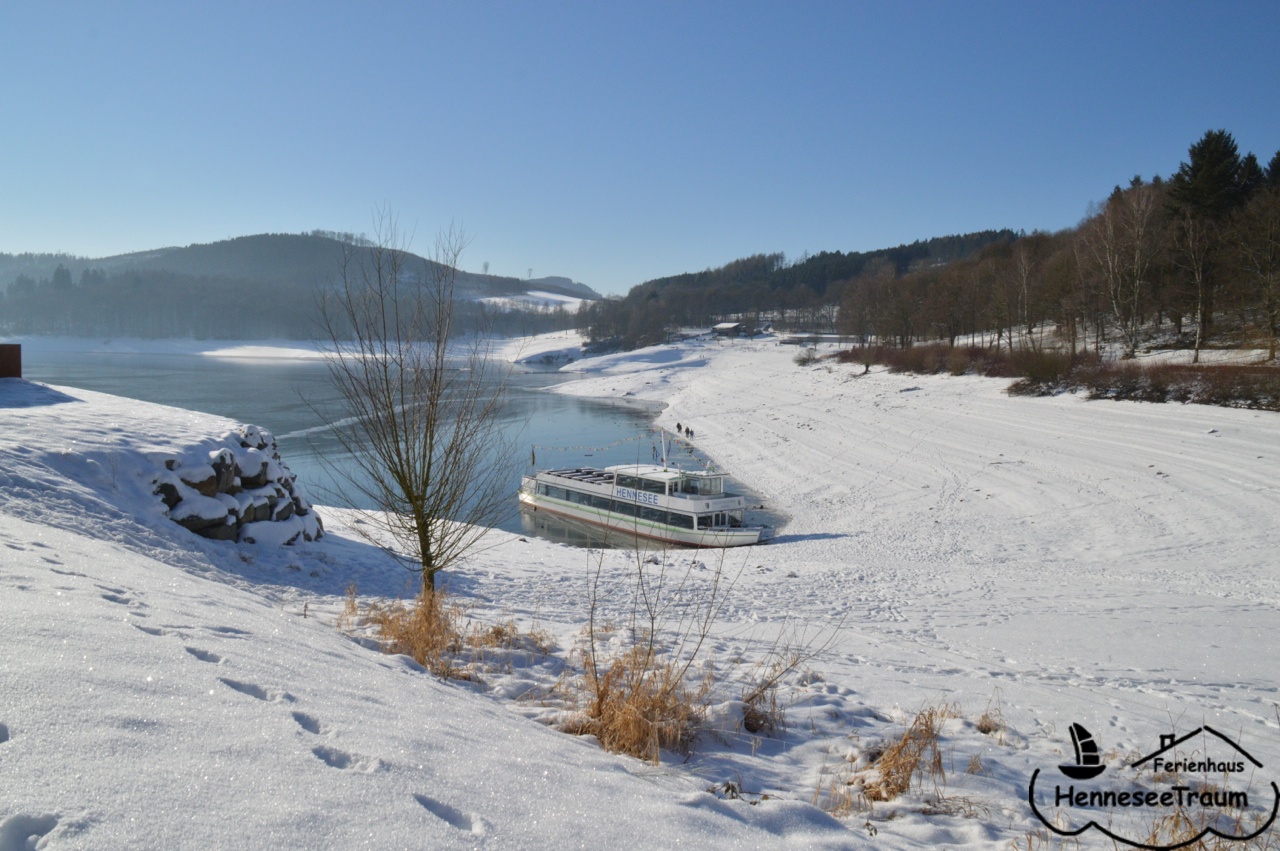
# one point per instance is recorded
(238, 491)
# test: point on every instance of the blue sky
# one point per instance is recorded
(608, 142)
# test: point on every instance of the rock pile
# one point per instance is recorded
(241, 491)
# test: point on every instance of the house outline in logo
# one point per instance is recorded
(1168, 742)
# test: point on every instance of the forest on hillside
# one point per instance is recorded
(764, 287)
(1194, 258)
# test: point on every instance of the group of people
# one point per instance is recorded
(687, 432)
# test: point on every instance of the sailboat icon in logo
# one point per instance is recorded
(1087, 762)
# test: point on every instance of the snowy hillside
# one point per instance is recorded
(159, 690)
(1019, 564)
(536, 300)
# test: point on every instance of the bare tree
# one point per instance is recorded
(423, 405)
(1122, 242)
(1194, 243)
(1257, 244)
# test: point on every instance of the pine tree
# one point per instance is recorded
(1208, 185)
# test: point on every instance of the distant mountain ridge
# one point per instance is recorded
(296, 259)
(250, 287)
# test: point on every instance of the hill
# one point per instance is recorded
(766, 286)
(207, 290)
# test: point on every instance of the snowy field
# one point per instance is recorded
(1040, 561)
(536, 300)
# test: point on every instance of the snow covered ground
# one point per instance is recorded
(1041, 561)
(536, 300)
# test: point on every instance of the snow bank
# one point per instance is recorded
(1036, 561)
(162, 690)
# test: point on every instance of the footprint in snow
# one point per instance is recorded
(229, 630)
(150, 630)
(24, 831)
(308, 722)
(452, 817)
(4, 736)
(344, 761)
(67, 572)
(118, 596)
(256, 691)
(205, 655)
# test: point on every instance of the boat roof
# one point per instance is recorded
(658, 472)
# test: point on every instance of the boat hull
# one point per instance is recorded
(706, 538)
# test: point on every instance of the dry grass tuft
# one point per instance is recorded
(990, 722)
(499, 635)
(762, 714)
(429, 629)
(350, 613)
(506, 635)
(1179, 829)
(955, 805)
(841, 798)
(901, 760)
(1042, 839)
(639, 703)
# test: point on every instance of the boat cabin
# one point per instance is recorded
(662, 502)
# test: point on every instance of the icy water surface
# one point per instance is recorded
(279, 395)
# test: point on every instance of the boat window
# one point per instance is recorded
(702, 487)
(628, 482)
(542, 490)
(653, 515)
(600, 502)
(684, 521)
(624, 507)
(555, 493)
(653, 486)
(704, 521)
(735, 519)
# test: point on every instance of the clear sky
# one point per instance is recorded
(609, 142)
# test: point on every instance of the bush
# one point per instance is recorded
(805, 357)
(1256, 387)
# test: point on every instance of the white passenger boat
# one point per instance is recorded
(652, 501)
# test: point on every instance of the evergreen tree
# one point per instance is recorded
(1251, 177)
(1208, 185)
(1273, 173)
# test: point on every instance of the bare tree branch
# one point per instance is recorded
(423, 420)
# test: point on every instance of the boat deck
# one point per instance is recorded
(589, 475)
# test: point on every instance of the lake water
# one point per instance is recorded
(279, 395)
